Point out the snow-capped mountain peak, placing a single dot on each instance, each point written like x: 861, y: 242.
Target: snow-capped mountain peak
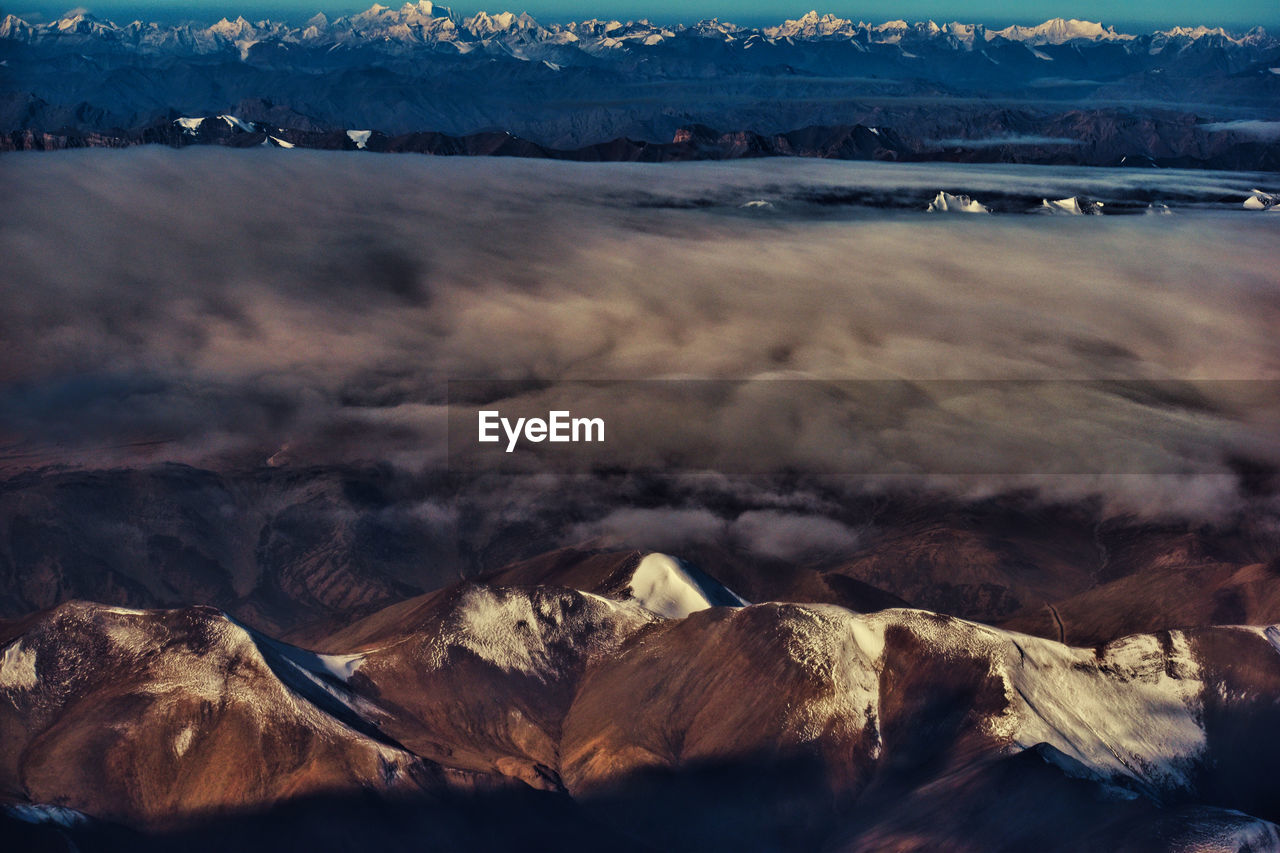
x: 414, y: 25
x: 1060, y: 31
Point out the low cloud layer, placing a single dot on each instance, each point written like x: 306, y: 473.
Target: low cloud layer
x: 226, y: 307
x: 1003, y: 141
x: 1266, y: 131
x: 767, y: 533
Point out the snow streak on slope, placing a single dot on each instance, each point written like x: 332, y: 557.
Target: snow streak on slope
x: 17, y: 667
x: 1271, y: 634
x: 322, y: 679
x: 235, y: 122
x: 671, y: 588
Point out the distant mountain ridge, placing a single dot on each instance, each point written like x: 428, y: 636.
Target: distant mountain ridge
x: 423, y: 68
x: 424, y: 24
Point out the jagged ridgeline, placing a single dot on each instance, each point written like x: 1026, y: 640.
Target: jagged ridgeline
x: 422, y: 78
x: 562, y: 703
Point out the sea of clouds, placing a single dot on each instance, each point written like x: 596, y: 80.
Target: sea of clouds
x: 222, y: 308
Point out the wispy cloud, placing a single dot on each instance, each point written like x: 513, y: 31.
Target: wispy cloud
x: 1268, y: 131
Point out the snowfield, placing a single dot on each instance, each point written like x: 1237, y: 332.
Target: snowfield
x: 673, y: 589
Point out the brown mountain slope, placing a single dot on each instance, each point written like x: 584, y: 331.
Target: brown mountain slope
x: 773, y: 726
x: 480, y: 677
x: 1161, y: 597
x: 154, y: 718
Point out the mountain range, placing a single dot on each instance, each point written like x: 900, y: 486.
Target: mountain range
x: 417, y: 25
x: 252, y: 596
x: 957, y: 91
x: 619, y: 698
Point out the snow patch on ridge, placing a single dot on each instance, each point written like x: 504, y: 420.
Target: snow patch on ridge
x: 182, y: 742
x: 18, y: 668
x: 845, y: 650
x: 536, y: 632
x: 1082, y: 702
x: 671, y: 588
x: 234, y: 122
x: 341, y: 667
x: 1085, y: 705
x: 1272, y: 633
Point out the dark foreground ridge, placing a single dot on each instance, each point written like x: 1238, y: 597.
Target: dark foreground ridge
x: 1098, y: 137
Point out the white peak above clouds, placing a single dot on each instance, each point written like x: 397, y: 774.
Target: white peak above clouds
x: 413, y: 25
x: 672, y: 588
x: 1060, y: 31
x: 810, y: 25
x: 945, y: 202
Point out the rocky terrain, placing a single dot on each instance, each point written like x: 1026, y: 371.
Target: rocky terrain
x: 771, y: 726
x: 295, y: 553
x: 1100, y: 137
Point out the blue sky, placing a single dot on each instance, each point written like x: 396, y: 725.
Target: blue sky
x: 1135, y: 14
